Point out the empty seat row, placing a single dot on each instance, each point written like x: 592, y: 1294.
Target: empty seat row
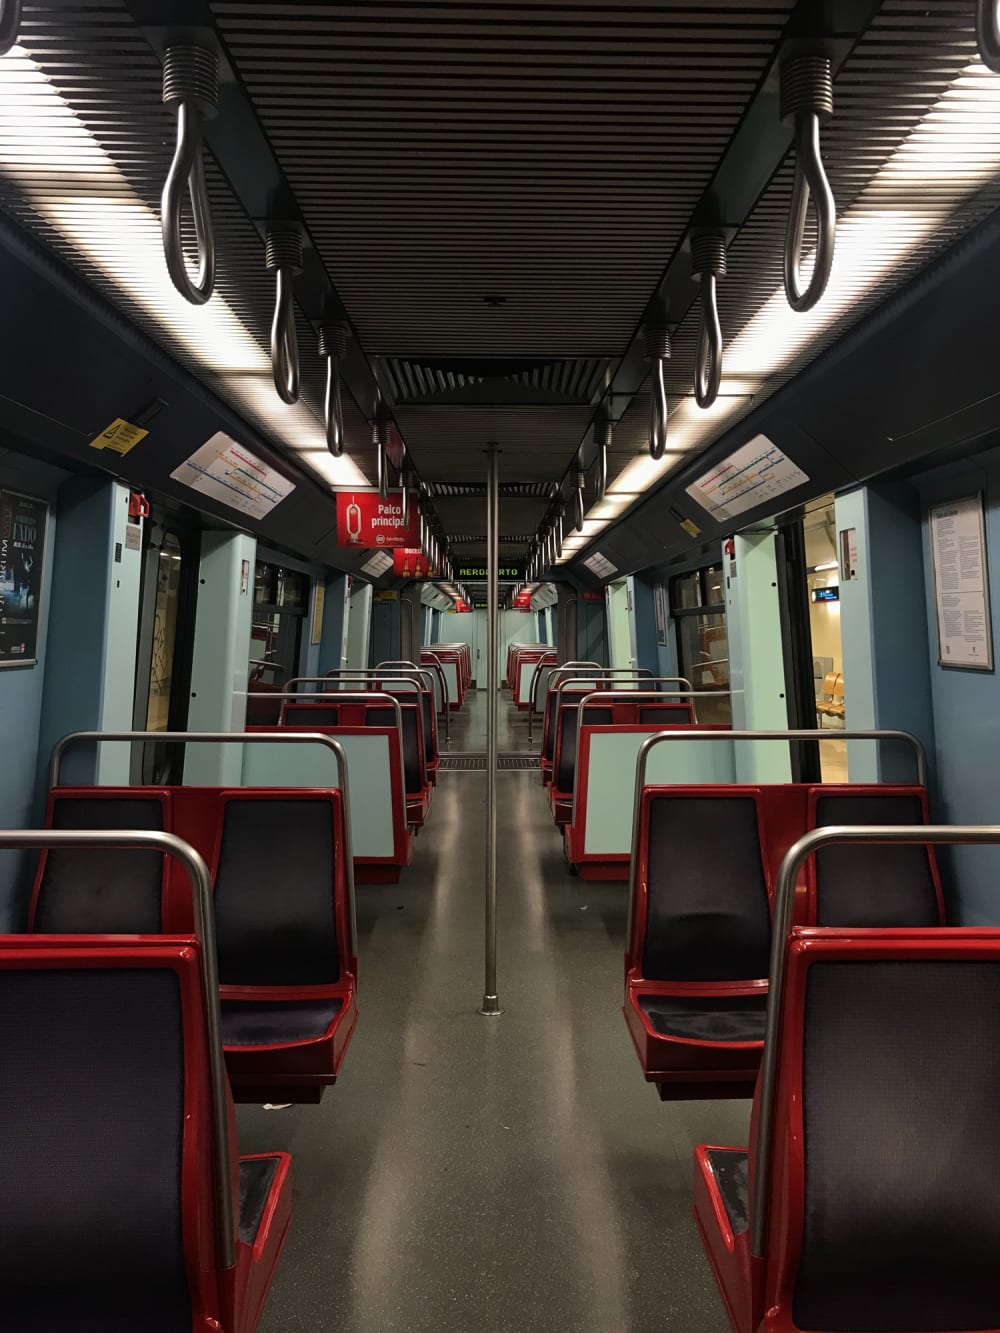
x: 706, y: 862
x: 282, y: 903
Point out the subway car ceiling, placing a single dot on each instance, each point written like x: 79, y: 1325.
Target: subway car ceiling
x: 503, y: 211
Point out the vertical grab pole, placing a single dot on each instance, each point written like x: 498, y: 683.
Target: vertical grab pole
x: 491, y: 1000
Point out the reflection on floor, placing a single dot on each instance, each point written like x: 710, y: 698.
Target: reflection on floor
x: 507, y: 1175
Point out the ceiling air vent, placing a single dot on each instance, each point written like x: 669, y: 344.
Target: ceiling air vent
x: 488, y: 380
x: 509, y: 490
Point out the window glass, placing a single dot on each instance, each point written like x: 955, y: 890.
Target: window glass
x: 685, y: 591
x: 703, y: 653
x: 161, y: 666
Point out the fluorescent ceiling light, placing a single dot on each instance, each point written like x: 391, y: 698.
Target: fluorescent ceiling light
x: 97, y: 212
x: 957, y: 145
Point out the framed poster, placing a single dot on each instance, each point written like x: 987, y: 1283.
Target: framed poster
x: 660, y: 612
x: 961, y: 584
x: 23, y: 521
x: 319, y: 601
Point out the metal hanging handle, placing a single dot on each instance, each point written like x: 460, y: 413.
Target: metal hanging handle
x: 283, y: 257
x: 191, y: 84
x: 579, y: 484
x: 380, y: 439
x: 708, y: 262
x: 658, y: 352
x: 10, y: 24
x: 333, y: 347
x: 806, y: 103
x: 605, y: 439
x: 987, y: 33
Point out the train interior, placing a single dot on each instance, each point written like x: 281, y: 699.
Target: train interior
x: 498, y: 709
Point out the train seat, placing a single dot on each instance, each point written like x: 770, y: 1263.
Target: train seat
x: 311, y: 715
x: 869, y: 1227
x: 564, y: 755
x: 109, y: 1220
x: 107, y: 890
x: 286, y: 974
x: 696, y: 970
x: 874, y: 885
x: 418, y: 788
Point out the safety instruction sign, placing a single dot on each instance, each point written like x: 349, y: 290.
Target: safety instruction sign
x: 754, y: 474
x: 364, y: 519
x: 961, y: 587
x: 233, y: 475
x: 121, y: 436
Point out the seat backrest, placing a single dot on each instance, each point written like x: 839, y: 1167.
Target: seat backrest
x: 877, y: 884
x: 426, y: 700
x: 107, y: 890
x: 104, y: 1119
x: 830, y: 683
x: 275, y: 903
x: 593, y: 716
x: 707, y: 910
x: 311, y: 715
x: 413, y: 766
x: 675, y: 714
x: 887, y: 1136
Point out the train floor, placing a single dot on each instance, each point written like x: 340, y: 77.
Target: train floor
x: 492, y: 1175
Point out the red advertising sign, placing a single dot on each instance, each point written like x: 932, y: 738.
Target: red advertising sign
x: 364, y: 519
x: 461, y: 606
x: 409, y: 562
x: 523, y: 601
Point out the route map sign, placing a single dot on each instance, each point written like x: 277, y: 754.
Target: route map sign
x: 751, y: 476
x: 233, y: 475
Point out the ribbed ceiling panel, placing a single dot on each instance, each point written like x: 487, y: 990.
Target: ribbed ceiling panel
x: 498, y: 180
x: 449, y: 443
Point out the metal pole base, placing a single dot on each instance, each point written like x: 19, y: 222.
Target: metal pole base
x: 490, y: 1007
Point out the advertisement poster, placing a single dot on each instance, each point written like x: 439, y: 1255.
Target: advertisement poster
x: 364, y: 519
x: 22, y: 550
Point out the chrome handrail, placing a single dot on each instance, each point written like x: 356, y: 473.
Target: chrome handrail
x: 191, y: 84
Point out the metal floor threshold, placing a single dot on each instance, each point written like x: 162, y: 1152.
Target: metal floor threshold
x: 476, y: 763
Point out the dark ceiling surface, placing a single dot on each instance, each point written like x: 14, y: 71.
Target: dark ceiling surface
x: 496, y: 193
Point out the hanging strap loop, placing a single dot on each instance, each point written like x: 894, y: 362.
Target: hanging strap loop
x: 333, y: 348
x: 806, y: 103
x: 283, y: 257
x: 380, y: 439
x: 987, y: 33
x: 658, y: 352
x: 708, y: 262
x: 10, y: 24
x: 191, y: 84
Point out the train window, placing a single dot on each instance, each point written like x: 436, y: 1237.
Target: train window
x: 697, y: 605
x: 280, y: 601
x: 822, y: 581
x: 165, y: 628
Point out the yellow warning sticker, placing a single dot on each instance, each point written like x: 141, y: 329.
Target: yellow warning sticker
x: 691, y: 528
x: 121, y: 436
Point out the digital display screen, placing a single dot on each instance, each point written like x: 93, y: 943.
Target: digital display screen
x: 826, y: 594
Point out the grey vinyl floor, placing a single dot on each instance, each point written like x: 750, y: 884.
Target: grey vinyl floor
x: 512, y: 1174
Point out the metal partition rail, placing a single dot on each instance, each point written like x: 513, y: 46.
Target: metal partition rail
x: 445, y: 697
x: 419, y: 679
x: 204, y: 918
x: 681, y: 734
x: 613, y: 681
x: 545, y: 660
x: 626, y: 696
x: 914, y: 835
x: 242, y: 738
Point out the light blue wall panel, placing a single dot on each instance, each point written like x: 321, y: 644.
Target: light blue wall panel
x: 757, y: 671
x: 221, y: 654
x: 304, y: 765
x: 611, y: 780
